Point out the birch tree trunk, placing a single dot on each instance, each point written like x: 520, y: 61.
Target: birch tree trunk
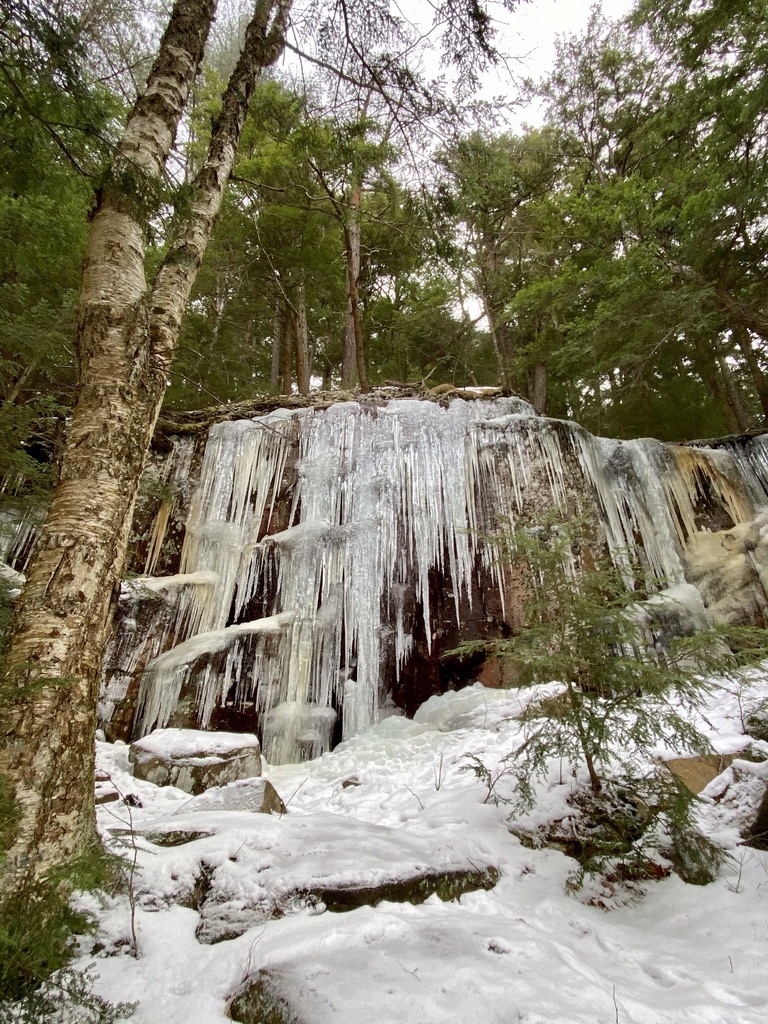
x: 127, y: 334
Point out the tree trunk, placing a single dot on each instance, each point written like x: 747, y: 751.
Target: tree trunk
x: 286, y: 348
x: 537, y: 387
x: 277, y: 345
x: 733, y: 395
x: 715, y: 373
x: 127, y: 334
x: 300, y: 339
x: 744, y: 341
x: 15, y: 389
x: 353, y: 355
x: 501, y: 364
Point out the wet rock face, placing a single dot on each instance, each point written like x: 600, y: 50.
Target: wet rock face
x: 730, y: 570
x: 193, y: 760
x: 332, y: 559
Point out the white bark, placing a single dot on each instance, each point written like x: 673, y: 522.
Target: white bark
x: 127, y: 335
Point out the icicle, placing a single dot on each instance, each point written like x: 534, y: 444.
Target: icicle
x: 380, y: 497
x: 174, y: 475
x: 165, y: 676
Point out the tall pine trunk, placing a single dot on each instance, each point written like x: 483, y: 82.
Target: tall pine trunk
x: 353, y: 355
x: 300, y: 339
x: 127, y: 333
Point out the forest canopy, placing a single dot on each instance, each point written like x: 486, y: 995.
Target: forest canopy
x: 609, y: 264
x: 381, y: 225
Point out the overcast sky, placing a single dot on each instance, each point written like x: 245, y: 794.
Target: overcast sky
x: 529, y: 38
x: 531, y: 30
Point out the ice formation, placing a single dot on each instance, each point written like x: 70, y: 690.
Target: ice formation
x: 311, y: 530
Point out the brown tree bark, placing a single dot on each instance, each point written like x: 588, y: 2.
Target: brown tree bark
x: 715, y: 373
x: 744, y: 341
x: 504, y: 378
x: 286, y: 349
x: 300, y: 345
x: 353, y: 355
x: 537, y: 387
x: 127, y: 334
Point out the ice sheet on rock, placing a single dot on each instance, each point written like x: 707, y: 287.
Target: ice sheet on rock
x: 12, y: 578
x: 240, y: 480
x: 162, y: 681
x: 158, y: 613
x: 382, y: 496
x: 297, y: 728
x: 174, y: 478
x: 18, y: 533
x: 628, y: 478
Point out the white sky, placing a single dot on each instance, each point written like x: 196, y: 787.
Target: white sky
x: 531, y: 30
x: 529, y: 39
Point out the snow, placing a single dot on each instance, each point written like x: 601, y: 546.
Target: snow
x: 394, y: 799
x: 194, y: 744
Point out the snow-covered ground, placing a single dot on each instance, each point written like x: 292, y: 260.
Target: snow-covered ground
x: 524, y: 950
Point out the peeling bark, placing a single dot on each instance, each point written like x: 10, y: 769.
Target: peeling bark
x: 127, y: 334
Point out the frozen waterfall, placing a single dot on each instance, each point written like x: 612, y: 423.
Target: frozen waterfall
x: 313, y: 534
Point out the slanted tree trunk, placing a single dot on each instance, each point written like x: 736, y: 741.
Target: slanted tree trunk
x: 127, y: 334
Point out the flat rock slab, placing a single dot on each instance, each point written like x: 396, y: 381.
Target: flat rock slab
x: 257, y: 796
x: 262, y: 866
x: 697, y: 772
x: 194, y: 760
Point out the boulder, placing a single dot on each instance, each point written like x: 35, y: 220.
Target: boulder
x: 193, y: 760
x: 258, y: 796
x: 261, y: 1001
x: 757, y: 833
x: 698, y: 771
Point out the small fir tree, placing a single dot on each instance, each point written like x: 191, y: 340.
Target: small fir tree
x: 623, y: 696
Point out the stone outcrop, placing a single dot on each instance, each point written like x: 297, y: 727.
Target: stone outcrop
x: 255, y: 795
x: 221, y: 920
x: 698, y: 771
x: 261, y: 1000
x: 195, y: 760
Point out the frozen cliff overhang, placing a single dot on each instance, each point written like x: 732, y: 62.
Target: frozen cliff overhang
x: 329, y: 556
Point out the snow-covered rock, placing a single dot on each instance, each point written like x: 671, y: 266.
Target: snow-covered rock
x: 193, y: 760
x: 258, y: 796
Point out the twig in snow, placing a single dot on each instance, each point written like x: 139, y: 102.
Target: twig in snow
x: 414, y: 972
x: 421, y: 805
x: 293, y: 794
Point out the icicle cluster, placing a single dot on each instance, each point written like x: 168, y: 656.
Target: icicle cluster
x: 292, y: 616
